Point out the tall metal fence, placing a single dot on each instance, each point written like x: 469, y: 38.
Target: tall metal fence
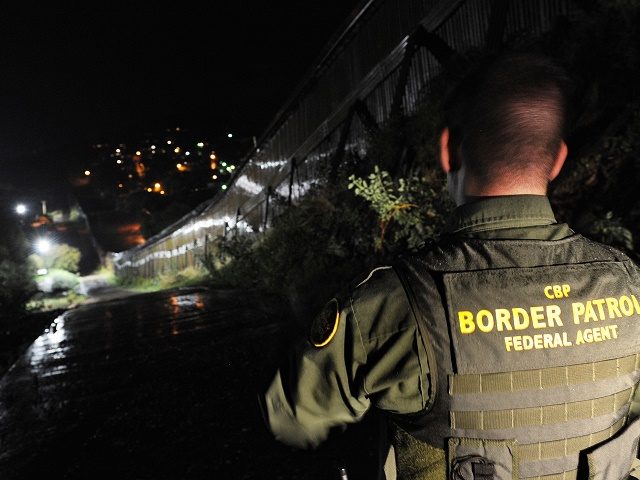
x: 380, y: 64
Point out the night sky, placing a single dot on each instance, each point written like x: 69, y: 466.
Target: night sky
x: 85, y: 72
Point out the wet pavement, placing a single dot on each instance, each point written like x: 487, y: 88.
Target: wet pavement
x: 159, y: 386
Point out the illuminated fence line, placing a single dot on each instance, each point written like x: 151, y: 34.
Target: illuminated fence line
x: 379, y: 65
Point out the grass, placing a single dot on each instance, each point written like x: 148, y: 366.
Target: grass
x: 187, y: 277
x: 43, y: 302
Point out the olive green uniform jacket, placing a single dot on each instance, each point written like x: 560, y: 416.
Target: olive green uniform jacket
x: 375, y: 355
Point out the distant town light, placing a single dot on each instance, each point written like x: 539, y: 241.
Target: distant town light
x: 215, y: 177
x: 168, y: 142
x: 120, y: 185
x: 187, y: 153
x: 212, y: 156
x: 200, y: 144
x: 117, y: 150
x: 224, y: 187
x: 153, y: 147
x: 138, y: 152
x: 43, y: 245
x: 21, y: 209
x: 157, y: 187
x: 130, y: 175
x: 118, y: 161
x: 176, y: 150
x: 224, y: 164
x: 149, y: 189
x: 87, y: 172
x: 161, y: 192
x: 230, y: 135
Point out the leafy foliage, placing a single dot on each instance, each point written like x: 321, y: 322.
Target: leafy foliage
x: 66, y: 258
x: 16, y: 284
x: 62, y: 257
x: 58, y: 280
x: 409, y: 211
x: 310, y: 252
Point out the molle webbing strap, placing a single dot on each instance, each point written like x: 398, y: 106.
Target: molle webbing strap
x: 570, y: 475
x: 543, y: 378
x: 563, y: 418
x: 547, y: 415
x: 545, y: 457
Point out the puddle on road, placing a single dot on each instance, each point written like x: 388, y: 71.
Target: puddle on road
x: 49, y: 345
x: 182, y: 303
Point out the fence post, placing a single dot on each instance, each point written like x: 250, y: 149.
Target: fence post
x: 266, y: 210
x: 294, y: 167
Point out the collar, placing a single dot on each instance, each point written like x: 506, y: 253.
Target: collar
x: 504, y: 212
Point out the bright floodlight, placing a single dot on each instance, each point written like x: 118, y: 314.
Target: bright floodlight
x: 230, y: 135
x: 21, y: 209
x: 43, y: 245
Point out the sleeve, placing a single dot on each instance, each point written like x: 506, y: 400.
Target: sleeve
x: 372, y: 358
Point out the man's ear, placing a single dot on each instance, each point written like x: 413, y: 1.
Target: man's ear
x: 445, y: 158
x: 559, y: 161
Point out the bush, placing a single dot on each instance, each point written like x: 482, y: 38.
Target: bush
x: 57, y: 280
x: 66, y: 258
x: 310, y: 252
x: 62, y: 257
x: 409, y: 211
x: 16, y: 284
x: 182, y: 278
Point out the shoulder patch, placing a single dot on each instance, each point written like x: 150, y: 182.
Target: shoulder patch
x: 325, y: 325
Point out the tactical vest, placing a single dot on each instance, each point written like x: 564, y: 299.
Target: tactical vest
x: 537, y: 349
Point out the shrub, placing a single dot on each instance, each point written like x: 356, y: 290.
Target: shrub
x: 62, y: 257
x: 312, y: 250
x: 57, y: 280
x: 181, y: 278
x: 16, y: 284
x: 66, y: 257
x: 409, y: 210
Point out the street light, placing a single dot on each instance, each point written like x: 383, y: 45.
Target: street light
x: 43, y: 245
x: 21, y: 209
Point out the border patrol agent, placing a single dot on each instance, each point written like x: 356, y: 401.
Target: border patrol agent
x: 510, y: 347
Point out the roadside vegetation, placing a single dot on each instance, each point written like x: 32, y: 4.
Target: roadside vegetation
x: 186, y: 277
x: 57, y: 279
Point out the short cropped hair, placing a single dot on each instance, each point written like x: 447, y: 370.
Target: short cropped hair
x: 508, y: 117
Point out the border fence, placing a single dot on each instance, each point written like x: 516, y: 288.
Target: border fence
x: 380, y: 64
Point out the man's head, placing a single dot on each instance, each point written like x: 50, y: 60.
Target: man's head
x: 505, y: 125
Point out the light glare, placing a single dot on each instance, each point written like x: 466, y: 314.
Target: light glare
x: 43, y: 245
